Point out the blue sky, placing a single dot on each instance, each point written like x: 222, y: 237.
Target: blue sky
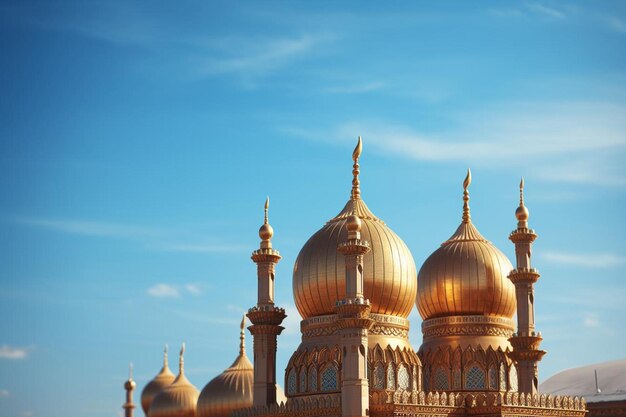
x: 139, y: 140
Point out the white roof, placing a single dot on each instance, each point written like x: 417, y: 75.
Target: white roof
x: 582, y: 382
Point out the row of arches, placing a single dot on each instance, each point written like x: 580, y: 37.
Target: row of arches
x: 309, y: 380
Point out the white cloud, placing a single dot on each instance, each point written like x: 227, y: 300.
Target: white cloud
x: 193, y: 289
x: 542, y: 9
x: 203, y: 248
x: 585, y: 260
x: 92, y: 228
x: 616, y: 24
x: 571, y: 142
x: 355, y: 88
x: 591, y: 320
x: 4, y: 393
x: 254, y: 56
x: 164, y: 291
x: 13, y: 353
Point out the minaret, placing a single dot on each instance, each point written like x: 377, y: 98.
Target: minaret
x: 129, y: 386
x: 265, y: 318
x: 353, y: 311
x: 526, y: 341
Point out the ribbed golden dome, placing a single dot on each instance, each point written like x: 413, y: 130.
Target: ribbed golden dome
x: 467, y: 275
x: 232, y: 389
x: 389, y: 269
x: 176, y: 400
x: 164, y: 378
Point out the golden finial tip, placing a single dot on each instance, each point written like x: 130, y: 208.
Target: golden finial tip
x: 243, y: 322
x: 468, y: 179
x: 357, y: 151
x: 182, y: 350
x: 267, y: 202
x: 521, y: 184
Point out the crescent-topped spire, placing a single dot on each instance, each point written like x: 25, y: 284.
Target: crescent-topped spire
x: 181, y: 360
x: 267, y: 207
x: 242, y: 336
x: 356, y: 190
x: 165, y: 358
x: 521, y: 192
x: 522, y: 213
x: 466, y: 209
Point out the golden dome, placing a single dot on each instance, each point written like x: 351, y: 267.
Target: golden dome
x: 164, y: 378
x: 467, y: 275
x: 388, y: 270
x: 232, y: 389
x: 178, y: 399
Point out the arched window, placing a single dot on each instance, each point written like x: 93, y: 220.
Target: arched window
x: 329, y: 378
x: 291, y: 382
x: 379, y: 376
x: 503, y: 377
x: 302, y: 380
x: 441, y: 379
x: 493, y: 378
x: 391, y: 377
x: 313, y: 379
x: 474, y: 378
x: 513, y: 378
x: 404, y: 379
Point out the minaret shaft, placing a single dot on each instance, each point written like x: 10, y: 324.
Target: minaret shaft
x: 526, y: 341
x: 354, y: 323
x: 265, y: 318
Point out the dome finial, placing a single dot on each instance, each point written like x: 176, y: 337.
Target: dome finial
x: 165, y: 359
x: 181, y: 360
x: 242, y: 336
x: 522, y: 212
x: 266, y: 231
x: 356, y: 190
x: 466, y: 208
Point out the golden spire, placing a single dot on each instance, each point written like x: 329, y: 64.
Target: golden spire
x: 356, y: 191
x: 466, y: 208
x: 522, y: 212
x: 181, y: 360
x: 242, y: 336
x: 165, y: 359
x: 266, y: 231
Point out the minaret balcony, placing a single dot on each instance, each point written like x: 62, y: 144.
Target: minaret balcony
x: 523, y: 235
x: 524, y: 275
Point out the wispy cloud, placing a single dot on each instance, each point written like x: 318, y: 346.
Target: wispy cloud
x: 203, y: 248
x: 162, y: 290
x: 565, y: 142
x: 14, y: 353
x: 544, y: 10
x: 355, y: 88
x: 4, y: 393
x: 616, y: 24
x: 254, y: 57
x: 92, y: 228
x: 155, y: 238
x: 591, y: 320
x: 585, y: 260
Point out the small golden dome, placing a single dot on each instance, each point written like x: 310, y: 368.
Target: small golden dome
x: 130, y: 385
x: 164, y: 378
x: 388, y: 270
x: 178, y: 399
x: 467, y: 275
x: 353, y: 223
x: 266, y: 232
x: 232, y: 389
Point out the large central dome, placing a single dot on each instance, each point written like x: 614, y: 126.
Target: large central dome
x: 389, y: 273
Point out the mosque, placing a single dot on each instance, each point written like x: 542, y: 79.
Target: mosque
x: 354, y: 284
